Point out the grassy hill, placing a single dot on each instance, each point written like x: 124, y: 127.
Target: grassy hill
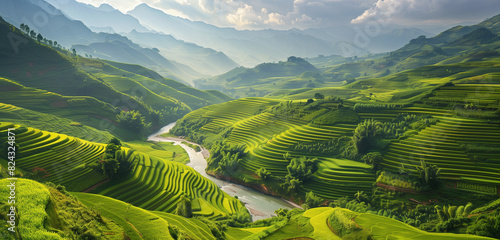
x: 49, y: 80
x: 44, y: 212
x: 56, y: 214
x: 154, y: 183
x: 242, y: 81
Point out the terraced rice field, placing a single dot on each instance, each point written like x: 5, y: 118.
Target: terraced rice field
x: 388, y: 228
x: 62, y: 156
x: 268, y: 139
x: 440, y: 145
x: 482, y: 95
x: 157, y: 185
x: 388, y: 115
x: 225, y: 114
x: 270, y: 154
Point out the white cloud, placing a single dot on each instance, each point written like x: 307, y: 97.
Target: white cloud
x: 285, y: 14
x: 422, y: 12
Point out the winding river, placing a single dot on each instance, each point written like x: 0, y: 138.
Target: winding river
x: 260, y: 205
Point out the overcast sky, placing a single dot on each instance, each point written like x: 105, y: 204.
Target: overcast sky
x: 285, y: 14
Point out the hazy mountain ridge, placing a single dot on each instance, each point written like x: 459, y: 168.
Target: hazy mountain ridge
x: 246, y: 47
x: 107, y: 19
x: 71, y: 32
x: 103, y: 16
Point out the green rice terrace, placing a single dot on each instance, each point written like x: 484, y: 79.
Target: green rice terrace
x: 398, y: 145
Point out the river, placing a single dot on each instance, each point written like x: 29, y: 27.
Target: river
x: 259, y: 205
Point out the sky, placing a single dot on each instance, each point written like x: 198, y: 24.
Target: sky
x: 286, y: 14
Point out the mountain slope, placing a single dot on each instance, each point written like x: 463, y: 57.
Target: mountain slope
x: 204, y: 60
x: 42, y: 78
x: 294, y: 73
x: 100, y: 17
x: 57, y: 27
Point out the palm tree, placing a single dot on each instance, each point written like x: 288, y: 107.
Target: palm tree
x: 363, y: 134
x: 428, y: 174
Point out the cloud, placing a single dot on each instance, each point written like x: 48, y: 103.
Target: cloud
x: 422, y: 12
x: 259, y: 14
x: 285, y: 14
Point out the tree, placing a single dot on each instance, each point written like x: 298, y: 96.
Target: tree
x: 301, y: 168
x: 319, y: 96
x: 428, y: 174
x: 56, y: 44
x: 312, y: 200
x: 115, y: 141
x: 310, y: 100
x: 32, y: 34
x: 364, y: 134
x: 263, y: 173
x: 74, y: 52
x: 133, y: 120
x: 110, y: 167
x: 39, y: 37
x: 373, y: 159
x: 184, y: 207
x: 362, y: 197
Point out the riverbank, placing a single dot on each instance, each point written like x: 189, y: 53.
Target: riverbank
x: 260, y: 205
x: 260, y: 188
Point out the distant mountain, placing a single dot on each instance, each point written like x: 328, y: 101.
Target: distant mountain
x: 71, y: 32
x: 109, y: 20
x: 204, y: 60
x: 247, y: 48
x: 293, y: 73
x: 51, y: 22
x: 123, y: 51
x: 390, y: 41
x: 104, y: 16
x: 50, y: 80
x: 390, y: 38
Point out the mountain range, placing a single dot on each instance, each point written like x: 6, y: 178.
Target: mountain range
x: 176, y: 47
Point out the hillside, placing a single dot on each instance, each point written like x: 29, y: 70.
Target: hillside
x: 68, y: 33
x: 49, y: 212
x: 153, y: 183
x: 264, y: 78
x: 430, y: 133
x: 90, y: 91
x: 454, y: 47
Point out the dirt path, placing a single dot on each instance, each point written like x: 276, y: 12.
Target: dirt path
x: 95, y: 186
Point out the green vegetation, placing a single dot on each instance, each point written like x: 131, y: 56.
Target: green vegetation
x: 44, y: 212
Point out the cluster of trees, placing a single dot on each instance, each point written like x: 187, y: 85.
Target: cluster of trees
x: 299, y: 170
x: 133, y: 121
x: 115, y: 162
x: 224, y: 159
x: 488, y: 226
x: 312, y: 201
x: 372, y: 135
x: 38, y: 37
x: 188, y: 127
x: 451, y: 217
x: 184, y: 207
